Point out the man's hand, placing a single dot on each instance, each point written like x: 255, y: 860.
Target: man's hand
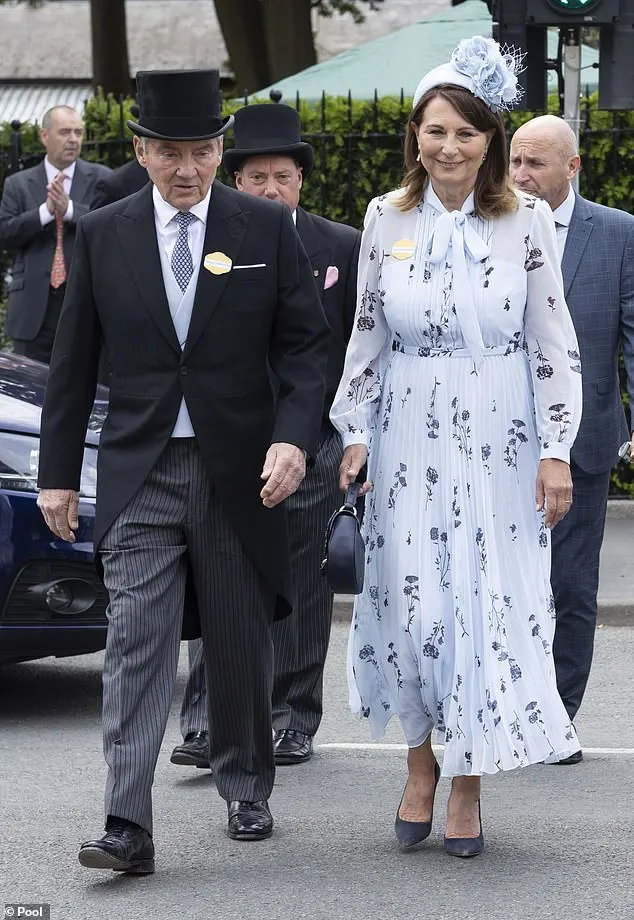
x: 60, y: 509
x: 284, y: 469
x: 57, y: 196
x: 354, y: 458
x: 50, y: 202
x: 554, y: 489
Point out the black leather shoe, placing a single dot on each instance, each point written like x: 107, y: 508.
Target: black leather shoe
x: 464, y: 847
x: 577, y: 757
x: 125, y: 847
x: 291, y: 747
x: 409, y: 833
x: 193, y: 752
x: 249, y: 820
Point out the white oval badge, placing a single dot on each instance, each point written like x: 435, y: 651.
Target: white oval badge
x: 403, y: 249
x: 217, y: 263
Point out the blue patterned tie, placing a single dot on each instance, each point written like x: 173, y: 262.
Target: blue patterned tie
x: 182, y: 264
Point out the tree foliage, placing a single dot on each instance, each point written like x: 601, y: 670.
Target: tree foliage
x: 268, y: 40
x: 353, y: 7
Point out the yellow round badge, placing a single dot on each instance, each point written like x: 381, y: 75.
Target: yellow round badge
x: 217, y: 263
x: 403, y: 249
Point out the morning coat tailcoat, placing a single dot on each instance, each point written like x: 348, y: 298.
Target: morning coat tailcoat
x: 327, y: 244
x: 265, y: 314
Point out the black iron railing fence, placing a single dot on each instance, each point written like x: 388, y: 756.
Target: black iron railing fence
x: 358, y: 151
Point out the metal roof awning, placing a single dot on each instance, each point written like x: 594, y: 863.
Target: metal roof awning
x: 396, y: 62
x: 28, y: 101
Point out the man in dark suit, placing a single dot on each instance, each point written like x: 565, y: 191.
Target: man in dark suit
x: 270, y: 160
x: 38, y: 217
x: 597, y: 250
x: 198, y: 292
x: 123, y: 181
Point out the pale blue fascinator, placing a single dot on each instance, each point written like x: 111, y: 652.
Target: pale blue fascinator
x: 482, y: 66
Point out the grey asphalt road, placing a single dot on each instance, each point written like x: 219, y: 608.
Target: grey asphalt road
x: 559, y: 842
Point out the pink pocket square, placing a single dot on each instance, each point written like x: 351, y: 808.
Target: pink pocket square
x: 332, y: 276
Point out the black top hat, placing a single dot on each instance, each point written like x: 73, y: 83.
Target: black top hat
x: 179, y: 105
x: 268, y: 128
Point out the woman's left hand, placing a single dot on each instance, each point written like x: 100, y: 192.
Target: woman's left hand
x: 553, y: 489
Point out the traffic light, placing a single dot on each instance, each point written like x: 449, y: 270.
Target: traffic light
x: 572, y: 12
x: 524, y: 25
x: 616, y: 62
x: 510, y: 28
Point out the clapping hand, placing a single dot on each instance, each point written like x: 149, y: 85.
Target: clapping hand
x: 57, y: 199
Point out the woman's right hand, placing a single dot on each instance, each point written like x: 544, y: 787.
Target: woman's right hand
x: 354, y: 458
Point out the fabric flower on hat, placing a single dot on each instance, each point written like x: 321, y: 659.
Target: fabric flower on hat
x: 492, y: 69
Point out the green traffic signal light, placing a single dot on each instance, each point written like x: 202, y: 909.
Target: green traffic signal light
x: 573, y: 6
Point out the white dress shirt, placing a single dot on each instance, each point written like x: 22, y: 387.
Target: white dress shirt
x: 181, y: 303
x: 51, y: 172
x: 563, y: 216
x: 167, y: 228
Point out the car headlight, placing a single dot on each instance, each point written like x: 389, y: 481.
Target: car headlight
x: 19, y: 461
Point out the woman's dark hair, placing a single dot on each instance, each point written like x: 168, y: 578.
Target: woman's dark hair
x: 494, y: 195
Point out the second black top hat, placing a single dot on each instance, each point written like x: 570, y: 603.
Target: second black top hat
x: 268, y: 129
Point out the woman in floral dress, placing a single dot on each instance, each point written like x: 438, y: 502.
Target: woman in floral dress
x: 462, y: 388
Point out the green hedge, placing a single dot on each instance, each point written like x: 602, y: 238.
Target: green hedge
x: 358, y: 154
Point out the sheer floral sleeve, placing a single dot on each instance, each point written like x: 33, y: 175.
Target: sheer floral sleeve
x: 357, y: 400
x: 551, y: 340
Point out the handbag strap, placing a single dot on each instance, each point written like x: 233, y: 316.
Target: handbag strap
x: 352, y: 494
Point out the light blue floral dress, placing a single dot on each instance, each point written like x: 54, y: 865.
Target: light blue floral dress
x: 461, y: 373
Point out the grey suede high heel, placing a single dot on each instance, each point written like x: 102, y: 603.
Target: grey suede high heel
x: 409, y: 833
x: 464, y: 847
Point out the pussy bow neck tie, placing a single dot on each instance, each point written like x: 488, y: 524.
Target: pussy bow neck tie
x: 453, y: 231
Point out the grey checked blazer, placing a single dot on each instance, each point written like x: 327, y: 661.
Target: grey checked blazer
x: 598, y: 270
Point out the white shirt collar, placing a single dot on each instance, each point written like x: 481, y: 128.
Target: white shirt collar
x: 430, y: 197
x: 52, y: 171
x: 165, y: 212
x: 563, y: 214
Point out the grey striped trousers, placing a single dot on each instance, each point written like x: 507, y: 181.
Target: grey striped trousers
x: 301, y: 640
x: 174, y: 520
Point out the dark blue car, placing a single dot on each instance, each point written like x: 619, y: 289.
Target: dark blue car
x: 52, y: 601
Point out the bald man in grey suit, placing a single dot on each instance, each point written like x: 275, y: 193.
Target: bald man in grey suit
x: 38, y: 218
x: 597, y: 249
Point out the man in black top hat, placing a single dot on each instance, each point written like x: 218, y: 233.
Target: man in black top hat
x: 271, y: 161
x: 197, y: 293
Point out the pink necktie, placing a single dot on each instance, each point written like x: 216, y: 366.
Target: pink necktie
x: 58, y: 268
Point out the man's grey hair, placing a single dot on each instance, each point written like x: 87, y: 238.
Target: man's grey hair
x: 47, y: 118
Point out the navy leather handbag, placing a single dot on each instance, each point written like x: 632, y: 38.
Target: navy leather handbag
x: 344, y: 550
